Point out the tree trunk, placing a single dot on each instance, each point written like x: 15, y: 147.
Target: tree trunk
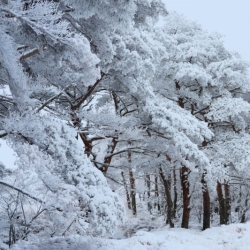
x: 126, y: 190
x: 221, y: 204
x: 132, y: 183
x: 227, y: 203
x: 175, y: 194
x: 132, y: 191
x: 186, y: 198
x: 108, y: 157
x: 243, y: 217
x: 169, y: 199
x: 206, y: 203
x: 157, y: 204
x: 148, y: 192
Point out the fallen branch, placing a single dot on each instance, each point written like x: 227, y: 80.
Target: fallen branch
x: 29, y: 54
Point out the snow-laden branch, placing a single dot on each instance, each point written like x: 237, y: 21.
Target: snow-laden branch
x: 21, y: 191
x: 36, y: 25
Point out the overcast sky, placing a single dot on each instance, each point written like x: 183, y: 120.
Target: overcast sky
x: 227, y: 17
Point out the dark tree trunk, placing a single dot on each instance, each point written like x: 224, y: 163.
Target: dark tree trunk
x: 108, y: 157
x: 132, y: 183
x: 126, y: 190
x: 227, y: 203
x: 175, y: 194
x: 132, y: 191
x: 186, y: 198
x: 148, y: 192
x: 221, y: 204
x: 206, y: 203
x: 157, y: 194
x: 168, y: 198
x: 243, y: 217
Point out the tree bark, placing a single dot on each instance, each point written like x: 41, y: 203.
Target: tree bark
x: 227, y: 203
x: 157, y: 204
x: 175, y: 194
x: 108, y: 157
x: 126, y: 190
x: 168, y: 198
x: 186, y: 198
x: 206, y: 203
x: 132, y: 191
x: 221, y: 203
x: 148, y: 192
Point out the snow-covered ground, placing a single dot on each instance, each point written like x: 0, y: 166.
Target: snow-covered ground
x: 232, y: 237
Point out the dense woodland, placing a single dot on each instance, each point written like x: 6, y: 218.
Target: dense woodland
x: 116, y: 108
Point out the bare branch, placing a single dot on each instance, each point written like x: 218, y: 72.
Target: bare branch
x: 197, y: 112
x: 3, y: 133
x: 90, y: 91
x: 53, y: 98
x: 29, y: 54
x: 1, y: 79
x: 68, y: 227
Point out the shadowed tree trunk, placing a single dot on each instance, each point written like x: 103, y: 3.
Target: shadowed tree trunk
x: 132, y: 192
x: 206, y: 203
x: 157, y: 204
x: 148, y: 192
x: 221, y: 203
x: 169, y: 199
x: 227, y: 203
x: 175, y: 194
x: 132, y: 184
x: 126, y: 190
x: 186, y: 198
x: 108, y: 157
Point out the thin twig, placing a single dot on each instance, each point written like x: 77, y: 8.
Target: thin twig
x: 21, y: 191
x: 53, y: 98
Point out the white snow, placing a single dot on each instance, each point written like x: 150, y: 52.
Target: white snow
x: 232, y: 237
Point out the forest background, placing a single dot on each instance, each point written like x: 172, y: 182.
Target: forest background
x: 101, y: 103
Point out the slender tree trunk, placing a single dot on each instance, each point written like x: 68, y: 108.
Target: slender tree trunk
x: 108, y: 157
x: 157, y: 204
x: 186, y: 198
x: 148, y: 192
x: 132, y: 192
x: 206, y: 203
x: 227, y: 203
x: 126, y: 190
x: 243, y: 217
x: 132, y: 183
x: 221, y: 203
x: 175, y: 194
x: 168, y: 198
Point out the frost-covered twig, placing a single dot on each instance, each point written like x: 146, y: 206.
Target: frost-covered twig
x: 68, y: 227
x: 21, y: 191
x: 36, y: 25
